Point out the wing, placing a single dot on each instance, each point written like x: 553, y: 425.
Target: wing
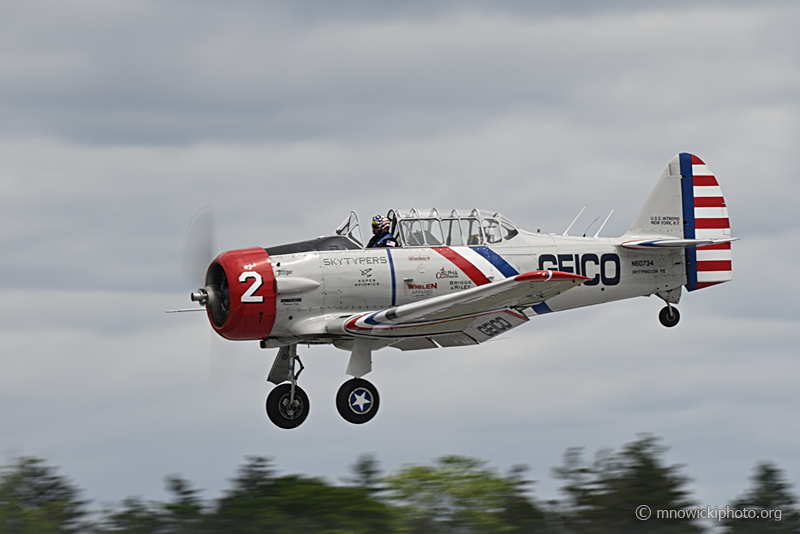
x: 464, y: 318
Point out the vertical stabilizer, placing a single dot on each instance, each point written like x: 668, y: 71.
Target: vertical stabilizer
x: 687, y: 203
x: 661, y: 215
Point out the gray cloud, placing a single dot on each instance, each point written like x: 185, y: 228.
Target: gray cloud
x: 127, y: 75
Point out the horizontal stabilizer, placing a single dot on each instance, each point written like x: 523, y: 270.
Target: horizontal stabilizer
x: 672, y: 244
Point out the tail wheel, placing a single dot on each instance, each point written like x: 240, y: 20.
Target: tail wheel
x: 284, y: 411
x: 669, y: 316
x: 357, y: 401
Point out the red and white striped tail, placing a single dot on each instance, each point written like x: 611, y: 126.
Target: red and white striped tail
x: 705, y: 217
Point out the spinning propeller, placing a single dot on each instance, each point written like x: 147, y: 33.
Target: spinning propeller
x: 199, y: 251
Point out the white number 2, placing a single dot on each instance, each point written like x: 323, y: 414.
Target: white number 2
x: 248, y: 295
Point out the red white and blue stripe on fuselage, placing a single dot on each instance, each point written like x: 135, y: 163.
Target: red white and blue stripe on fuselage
x: 470, y: 259
x: 478, y: 263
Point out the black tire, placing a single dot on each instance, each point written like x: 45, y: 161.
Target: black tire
x: 669, y: 316
x: 281, y: 412
x: 357, y: 401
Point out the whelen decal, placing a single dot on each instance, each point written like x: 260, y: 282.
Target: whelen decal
x: 495, y: 259
x: 472, y: 272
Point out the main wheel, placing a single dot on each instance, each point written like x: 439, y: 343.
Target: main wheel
x: 357, y: 401
x: 669, y: 316
x: 282, y: 411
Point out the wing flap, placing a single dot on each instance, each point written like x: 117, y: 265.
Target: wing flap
x: 457, y: 339
x: 415, y: 343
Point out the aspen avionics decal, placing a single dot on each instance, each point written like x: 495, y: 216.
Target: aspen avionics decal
x: 367, y: 279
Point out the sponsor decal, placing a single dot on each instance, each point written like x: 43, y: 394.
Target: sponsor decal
x: 366, y: 279
x: 496, y: 326
x: 283, y: 272
x: 419, y: 258
x: 291, y: 300
x: 420, y: 290
x: 459, y: 285
x: 444, y: 273
x: 605, y: 269
x: 360, y: 260
x: 422, y: 286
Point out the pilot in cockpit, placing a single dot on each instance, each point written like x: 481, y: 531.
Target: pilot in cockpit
x: 381, y: 237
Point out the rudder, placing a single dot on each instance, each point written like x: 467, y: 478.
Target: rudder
x: 705, y: 216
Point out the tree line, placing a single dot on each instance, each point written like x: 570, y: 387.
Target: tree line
x: 454, y: 494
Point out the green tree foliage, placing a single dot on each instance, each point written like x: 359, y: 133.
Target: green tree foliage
x: 769, y: 493
x: 457, y: 494
x: 34, y: 499
x: 519, y: 510
x: 135, y: 517
x: 454, y: 494
x: 261, y: 502
x: 366, y: 475
x: 182, y: 514
x: 603, y: 497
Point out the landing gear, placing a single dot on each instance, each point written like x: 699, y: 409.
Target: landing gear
x: 669, y: 316
x: 287, y: 404
x: 287, y: 408
x: 357, y: 401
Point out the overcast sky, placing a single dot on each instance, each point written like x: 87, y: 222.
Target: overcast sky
x: 121, y: 119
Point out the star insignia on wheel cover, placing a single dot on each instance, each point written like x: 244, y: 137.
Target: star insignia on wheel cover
x: 360, y: 400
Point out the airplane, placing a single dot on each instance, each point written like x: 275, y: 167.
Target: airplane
x: 456, y: 278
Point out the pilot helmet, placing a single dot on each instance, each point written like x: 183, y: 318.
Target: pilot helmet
x: 377, y: 222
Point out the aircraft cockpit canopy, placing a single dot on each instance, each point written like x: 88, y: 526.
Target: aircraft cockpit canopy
x: 415, y: 228
x: 430, y: 228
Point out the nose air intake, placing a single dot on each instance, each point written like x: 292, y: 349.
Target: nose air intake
x: 216, y: 295
x: 240, y: 294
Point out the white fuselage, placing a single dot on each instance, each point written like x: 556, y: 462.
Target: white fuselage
x: 354, y: 281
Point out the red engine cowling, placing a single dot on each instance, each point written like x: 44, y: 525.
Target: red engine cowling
x: 243, y: 286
